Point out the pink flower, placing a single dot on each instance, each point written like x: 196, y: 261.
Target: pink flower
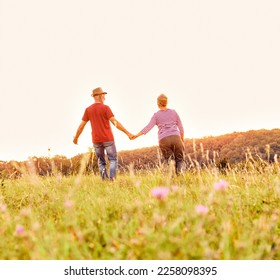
x: 3, y: 207
x: 160, y: 192
x: 201, y: 209
x: 19, y: 230
x: 25, y: 212
x: 221, y: 185
x: 137, y: 184
x: 175, y: 188
x: 68, y: 204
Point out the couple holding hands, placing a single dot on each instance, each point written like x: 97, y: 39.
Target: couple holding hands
x: 170, y: 133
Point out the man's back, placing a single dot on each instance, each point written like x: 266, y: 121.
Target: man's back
x: 99, y: 115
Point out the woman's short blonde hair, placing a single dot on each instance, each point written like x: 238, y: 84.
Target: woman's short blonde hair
x: 162, y: 100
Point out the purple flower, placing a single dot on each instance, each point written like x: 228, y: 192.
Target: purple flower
x: 160, y: 192
x: 221, y: 185
x: 19, y: 230
x: 201, y: 209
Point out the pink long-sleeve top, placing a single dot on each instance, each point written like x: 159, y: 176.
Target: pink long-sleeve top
x: 168, y: 122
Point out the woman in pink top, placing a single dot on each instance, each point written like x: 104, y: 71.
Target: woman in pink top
x: 170, y: 133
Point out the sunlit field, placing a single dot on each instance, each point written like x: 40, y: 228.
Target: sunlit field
x: 202, y: 214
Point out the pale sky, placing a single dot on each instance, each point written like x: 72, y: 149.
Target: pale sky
x: 218, y: 62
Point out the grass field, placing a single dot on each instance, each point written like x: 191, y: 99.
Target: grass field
x: 202, y: 214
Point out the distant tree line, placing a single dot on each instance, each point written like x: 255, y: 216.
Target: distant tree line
x: 233, y: 148
x: 48, y: 166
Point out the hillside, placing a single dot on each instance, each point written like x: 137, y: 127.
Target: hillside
x: 229, y: 148
x: 234, y: 147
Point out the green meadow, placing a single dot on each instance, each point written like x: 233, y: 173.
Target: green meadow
x: 201, y: 214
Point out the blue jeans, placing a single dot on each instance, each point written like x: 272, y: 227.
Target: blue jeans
x: 111, y: 152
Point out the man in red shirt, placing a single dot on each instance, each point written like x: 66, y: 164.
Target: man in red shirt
x: 100, y: 116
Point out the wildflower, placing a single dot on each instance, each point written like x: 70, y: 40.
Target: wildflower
x: 19, y: 230
x: 68, y: 204
x: 3, y: 207
x: 26, y: 211
x: 134, y: 241
x: 202, y: 209
x: 36, y: 226
x: 221, y: 185
x: 160, y: 192
x: 175, y: 188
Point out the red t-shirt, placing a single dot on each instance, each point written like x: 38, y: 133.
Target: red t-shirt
x: 99, y: 116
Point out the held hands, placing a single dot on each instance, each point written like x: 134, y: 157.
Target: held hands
x: 132, y: 136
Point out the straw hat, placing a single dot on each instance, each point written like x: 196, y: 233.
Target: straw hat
x: 98, y: 91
